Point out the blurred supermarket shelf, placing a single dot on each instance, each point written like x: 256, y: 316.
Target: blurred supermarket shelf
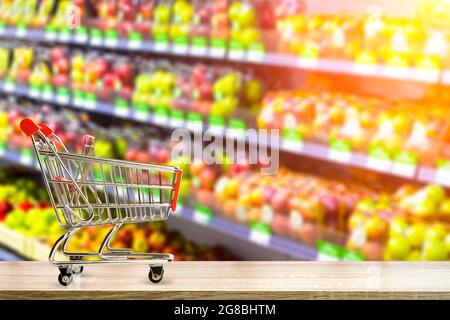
x: 303, y: 148
x: 255, y: 57
x: 6, y: 255
x: 26, y: 247
x: 29, y: 249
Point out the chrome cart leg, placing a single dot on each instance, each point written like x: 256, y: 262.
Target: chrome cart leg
x: 105, y: 251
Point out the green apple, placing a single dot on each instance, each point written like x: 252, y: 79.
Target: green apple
x: 416, y: 234
x: 398, y: 227
x: 435, y: 193
x: 435, y: 250
x: 436, y: 232
x: 398, y: 248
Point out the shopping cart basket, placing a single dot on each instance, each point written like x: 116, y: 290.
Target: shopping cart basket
x: 87, y: 191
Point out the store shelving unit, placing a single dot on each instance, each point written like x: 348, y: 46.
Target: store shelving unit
x: 303, y: 148
x: 22, y: 245
x: 255, y: 57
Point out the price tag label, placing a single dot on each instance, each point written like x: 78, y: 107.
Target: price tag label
x: 78, y: 99
x: 9, y: 86
x: 134, y: 40
x: 236, y: 51
x: 161, y: 43
x: 260, y: 233
x: 256, y: 52
x: 50, y: 34
x: 62, y: 96
x: 217, y: 49
x: 194, y: 121
x: 199, y: 46
x: 442, y: 175
x: 396, y: 72
x: 160, y: 116
x: 81, y: 35
x: 431, y: 76
x: 90, y: 101
x: 405, y: 164
x: 235, y: 128
x: 26, y: 157
x: 328, y: 251
x: 141, y: 112
x: 180, y: 45
x: 47, y: 93
x: 64, y: 35
x: 176, y: 119
x: 34, y: 92
x: 96, y: 37
x: 2, y: 28
x: 111, y: 39
x: 121, y: 108
x: 365, y: 69
x: 21, y: 31
x: 379, y: 159
x: 202, y: 214
x: 292, y: 141
x: 340, y: 150
x: 2, y: 147
x: 308, y: 63
x: 216, y: 125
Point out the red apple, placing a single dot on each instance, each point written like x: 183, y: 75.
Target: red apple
x: 280, y: 200
x: 308, y: 233
x: 280, y: 224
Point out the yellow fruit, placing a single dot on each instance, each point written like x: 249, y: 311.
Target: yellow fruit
x: 416, y: 234
x: 398, y: 248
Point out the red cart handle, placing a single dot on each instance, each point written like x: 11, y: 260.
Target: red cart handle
x: 45, y: 129
x: 29, y: 127
x: 176, y: 189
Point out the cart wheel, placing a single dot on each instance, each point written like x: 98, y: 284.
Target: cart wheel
x: 77, y: 269
x: 156, y: 274
x: 65, y: 278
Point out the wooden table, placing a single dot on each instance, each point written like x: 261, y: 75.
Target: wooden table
x: 234, y: 280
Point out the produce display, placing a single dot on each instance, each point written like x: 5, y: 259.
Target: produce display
x: 204, y: 89
x: 367, y: 124
x: 282, y: 26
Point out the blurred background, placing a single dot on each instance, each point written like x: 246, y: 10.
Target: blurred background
x: 358, y: 89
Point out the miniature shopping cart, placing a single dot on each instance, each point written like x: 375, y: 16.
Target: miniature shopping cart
x: 87, y: 191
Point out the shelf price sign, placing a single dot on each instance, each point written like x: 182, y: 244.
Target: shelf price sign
x: 379, y: 159
x: 50, y: 33
x: 2, y: 147
x: 160, y: 116
x: 442, y: 175
x: 202, y: 214
x: 34, y: 91
x: 216, y: 124
x: 111, y: 38
x: 236, y: 128
x: 176, y: 119
x: 81, y: 35
x: 161, y: 43
x: 62, y: 95
x: 217, y: 48
x: 21, y: 30
x: 260, y: 233
x: 78, y: 98
x: 90, y: 101
x: 340, y: 150
x: 236, y: 51
x: 199, y: 46
x: 121, y: 108
x: 141, y: 111
x: 96, y: 37
x: 47, y: 92
x: 328, y: 251
x: 292, y: 140
x: 194, y: 121
x: 180, y: 45
x: 2, y: 27
x: 256, y: 52
x: 9, y: 85
x: 65, y: 34
x: 134, y: 40
x: 405, y: 164
x: 26, y: 157
x: 348, y: 255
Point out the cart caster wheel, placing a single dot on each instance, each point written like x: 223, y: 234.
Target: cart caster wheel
x: 156, y: 274
x: 65, y: 279
x: 77, y: 269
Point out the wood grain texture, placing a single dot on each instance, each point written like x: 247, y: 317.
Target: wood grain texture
x: 233, y: 280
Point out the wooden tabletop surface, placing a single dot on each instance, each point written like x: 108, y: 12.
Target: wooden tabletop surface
x: 233, y: 280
